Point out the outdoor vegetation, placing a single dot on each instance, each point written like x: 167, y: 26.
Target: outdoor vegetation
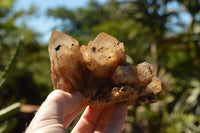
x: 165, y: 33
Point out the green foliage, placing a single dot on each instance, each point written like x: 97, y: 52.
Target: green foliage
x: 147, y: 29
x: 6, y: 115
x: 8, y: 68
x: 29, y: 77
x: 9, y: 111
x: 6, y: 3
x: 24, y: 67
x: 8, y: 125
x: 150, y: 30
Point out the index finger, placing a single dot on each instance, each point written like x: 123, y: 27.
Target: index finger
x: 117, y: 119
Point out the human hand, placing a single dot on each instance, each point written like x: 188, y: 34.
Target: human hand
x: 60, y: 108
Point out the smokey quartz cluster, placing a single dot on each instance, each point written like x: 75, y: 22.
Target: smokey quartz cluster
x: 100, y: 71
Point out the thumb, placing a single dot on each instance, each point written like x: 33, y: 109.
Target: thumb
x: 60, y: 103
x: 52, y: 111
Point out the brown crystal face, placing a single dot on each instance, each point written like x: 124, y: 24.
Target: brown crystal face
x: 99, y: 71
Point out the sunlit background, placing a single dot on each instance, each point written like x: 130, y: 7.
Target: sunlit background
x: 165, y: 33
x: 42, y: 23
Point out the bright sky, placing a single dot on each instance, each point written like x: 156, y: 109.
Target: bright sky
x: 44, y: 4
x: 44, y: 24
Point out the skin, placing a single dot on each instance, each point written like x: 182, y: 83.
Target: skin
x: 60, y: 108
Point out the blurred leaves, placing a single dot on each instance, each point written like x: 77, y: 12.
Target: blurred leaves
x: 9, y: 111
x: 161, y: 32
x: 165, y: 33
x: 7, y: 120
x: 8, y: 125
x: 11, y: 63
x: 6, y: 4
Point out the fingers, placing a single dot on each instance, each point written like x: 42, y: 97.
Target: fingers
x: 68, y: 118
x: 87, y: 122
x: 59, y: 103
x: 52, y: 111
x: 117, y: 119
x: 103, y: 120
x: 108, y: 120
